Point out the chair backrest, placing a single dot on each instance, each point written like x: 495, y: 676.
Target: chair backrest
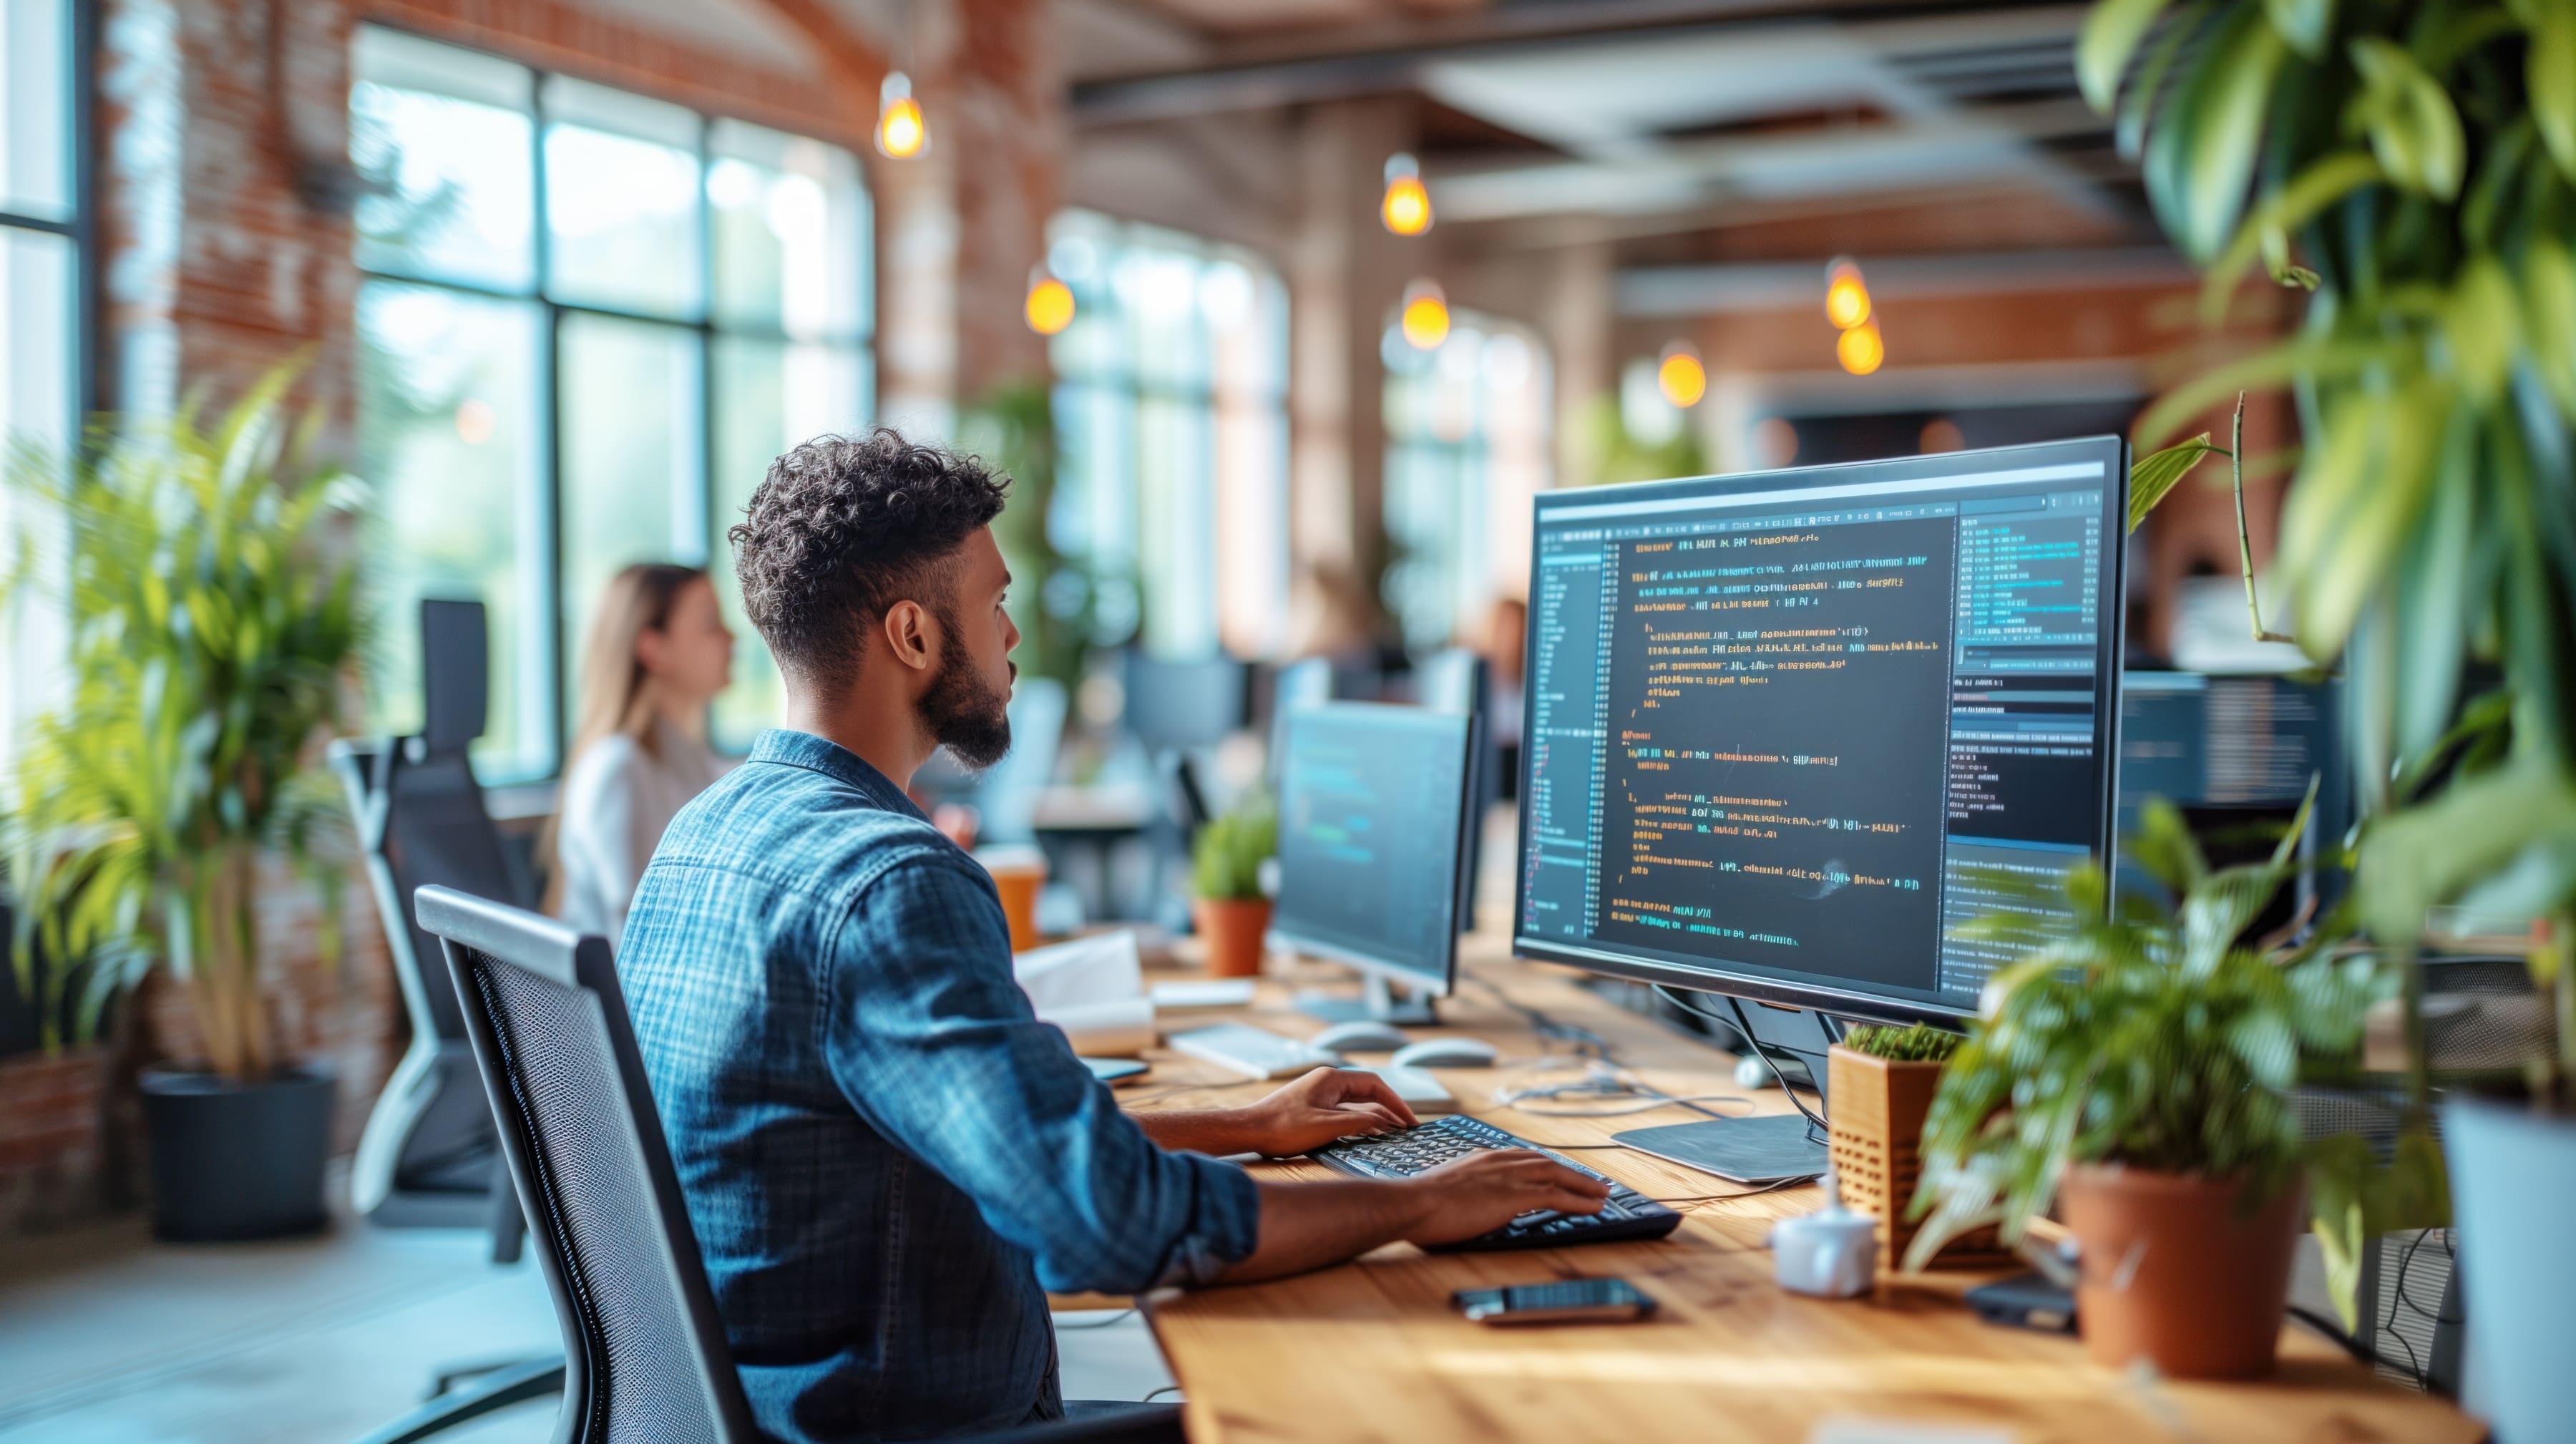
x: 644, y: 1350
x: 422, y: 823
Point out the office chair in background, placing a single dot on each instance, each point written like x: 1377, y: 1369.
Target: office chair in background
x: 428, y: 1157
x: 645, y: 1352
x: 1181, y: 712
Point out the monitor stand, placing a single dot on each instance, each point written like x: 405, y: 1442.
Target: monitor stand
x: 1746, y: 1150
x: 1765, y: 1149
x: 1377, y: 1002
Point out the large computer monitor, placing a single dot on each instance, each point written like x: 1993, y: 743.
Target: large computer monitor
x: 2236, y: 754
x: 1374, y: 822
x: 1784, y: 731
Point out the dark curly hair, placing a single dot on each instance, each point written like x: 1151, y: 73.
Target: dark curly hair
x: 842, y: 529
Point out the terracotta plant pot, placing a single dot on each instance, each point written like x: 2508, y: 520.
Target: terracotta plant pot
x: 1875, y: 1109
x: 1230, y: 930
x: 2177, y: 1271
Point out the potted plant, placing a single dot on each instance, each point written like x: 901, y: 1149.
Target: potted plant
x: 1229, y: 907
x: 2138, y: 1068
x: 212, y: 632
x: 2414, y: 167
x: 1882, y: 1080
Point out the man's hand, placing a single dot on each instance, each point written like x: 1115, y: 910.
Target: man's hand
x: 1324, y: 1105
x: 1483, y: 1191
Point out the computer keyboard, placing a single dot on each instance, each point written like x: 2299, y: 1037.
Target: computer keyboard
x: 1627, y: 1216
x: 1253, y: 1052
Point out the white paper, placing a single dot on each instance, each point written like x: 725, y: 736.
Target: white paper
x: 1119, y: 1029
x: 1202, y: 993
x: 1102, y: 969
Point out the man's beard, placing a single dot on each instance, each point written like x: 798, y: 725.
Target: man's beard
x: 969, y: 718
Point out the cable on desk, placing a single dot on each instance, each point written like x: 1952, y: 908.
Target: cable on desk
x: 1816, y: 1129
x: 1158, y: 1393
x: 1772, y: 1187
x: 1586, y: 1043
x: 1614, y: 1085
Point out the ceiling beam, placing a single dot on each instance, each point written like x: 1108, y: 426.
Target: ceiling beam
x: 1385, y: 56
x: 1664, y: 292
x: 850, y: 60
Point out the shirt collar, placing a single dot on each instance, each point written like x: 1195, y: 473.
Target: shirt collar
x: 790, y: 748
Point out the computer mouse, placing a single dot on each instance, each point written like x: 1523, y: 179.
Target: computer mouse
x: 1448, y: 1053
x: 1360, y: 1035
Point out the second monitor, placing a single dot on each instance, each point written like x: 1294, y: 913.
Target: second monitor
x: 1374, y: 819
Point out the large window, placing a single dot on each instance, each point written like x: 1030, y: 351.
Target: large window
x: 1171, y: 413
x: 42, y: 356
x: 1467, y: 447
x: 590, y: 320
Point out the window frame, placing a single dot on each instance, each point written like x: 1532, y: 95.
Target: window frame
x: 1205, y: 396
x: 702, y: 325
x: 81, y: 228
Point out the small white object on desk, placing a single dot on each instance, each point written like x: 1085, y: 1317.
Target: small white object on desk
x: 1831, y: 1253
x: 1121, y: 1028
x: 1420, y: 1091
x: 1365, y: 1035
x: 1255, y: 1053
x: 1448, y: 1053
x: 1202, y: 993
x: 1101, y: 969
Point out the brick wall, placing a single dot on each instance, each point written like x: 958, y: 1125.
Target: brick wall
x: 223, y: 137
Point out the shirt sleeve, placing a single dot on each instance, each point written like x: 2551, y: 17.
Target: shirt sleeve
x: 932, y: 1041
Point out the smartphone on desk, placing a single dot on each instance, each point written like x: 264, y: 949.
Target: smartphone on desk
x: 1566, y: 1301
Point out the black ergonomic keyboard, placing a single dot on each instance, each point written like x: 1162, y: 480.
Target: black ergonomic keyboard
x: 1626, y: 1217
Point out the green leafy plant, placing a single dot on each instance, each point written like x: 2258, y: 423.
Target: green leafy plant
x: 2164, y: 1038
x: 2411, y: 166
x: 1225, y: 861
x: 1013, y: 428
x: 1921, y: 1043
x: 214, y: 629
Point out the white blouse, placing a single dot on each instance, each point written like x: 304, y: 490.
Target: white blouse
x: 617, y: 800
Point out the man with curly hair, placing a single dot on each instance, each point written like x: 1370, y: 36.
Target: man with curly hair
x: 887, y: 1159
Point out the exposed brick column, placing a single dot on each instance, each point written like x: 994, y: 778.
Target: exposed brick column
x: 1345, y: 276
x: 960, y: 225
x: 227, y: 140
x: 1008, y: 132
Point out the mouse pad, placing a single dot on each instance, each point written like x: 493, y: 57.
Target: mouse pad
x: 1745, y: 1150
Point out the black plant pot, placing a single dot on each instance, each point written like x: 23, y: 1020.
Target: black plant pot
x: 232, y: 1162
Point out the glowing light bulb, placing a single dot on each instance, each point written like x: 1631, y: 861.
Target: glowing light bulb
x: 1050, y: 304
x: 1407, y: 207
x: 1426, y: 315
x: 900, y: 131
x: 1846, y: 299
x: 1861, y: 349
x: 1680, y: 375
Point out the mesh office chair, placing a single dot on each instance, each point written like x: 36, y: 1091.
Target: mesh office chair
x: 644, y: 1350
x: 428, y: 1157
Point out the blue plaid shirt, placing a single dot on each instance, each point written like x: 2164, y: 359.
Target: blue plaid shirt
x: 885, y: 1154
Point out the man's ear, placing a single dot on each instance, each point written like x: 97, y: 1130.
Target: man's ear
x: 910, y: 634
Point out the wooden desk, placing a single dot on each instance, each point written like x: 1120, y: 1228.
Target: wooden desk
x: 1373, y: 1350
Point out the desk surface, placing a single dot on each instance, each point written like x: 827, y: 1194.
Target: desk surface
x: 1374, y: 1351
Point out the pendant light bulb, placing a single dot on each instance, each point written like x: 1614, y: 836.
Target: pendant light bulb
x: 1846, y: 294
x: 1407, y: 206
x: 1425, y: 319
x: 901, y: 135
x: 1050, y: 307
x: 1681, y: 376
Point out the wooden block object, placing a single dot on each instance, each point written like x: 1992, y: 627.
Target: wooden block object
x: 1876, y: 1111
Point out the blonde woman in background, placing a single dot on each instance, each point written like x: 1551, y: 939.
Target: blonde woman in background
x: 657, y: 654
